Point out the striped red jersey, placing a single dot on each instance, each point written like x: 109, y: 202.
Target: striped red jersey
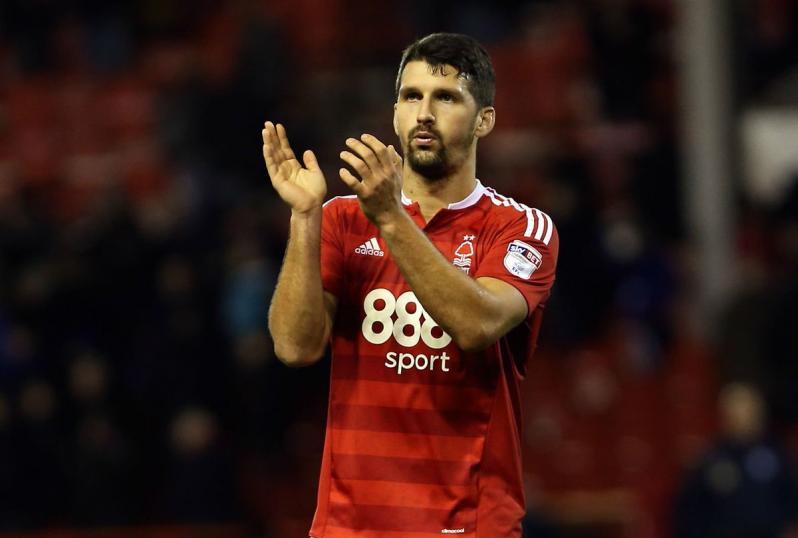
x: 424, y: 439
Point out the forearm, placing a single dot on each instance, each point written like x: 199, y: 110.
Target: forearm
x: 462, y: 307
x: 297, y: 316
x: 475, y: 314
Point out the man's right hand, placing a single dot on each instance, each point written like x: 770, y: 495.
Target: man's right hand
x: 301, y: 187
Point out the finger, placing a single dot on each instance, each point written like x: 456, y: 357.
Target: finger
x: 311, y: 163
x: 285, y: 147
x: 395, y: 157
x: 277, y: 178
x: 270, y: 138
x: 364, y: 152
x: 351, y: 181
x: 270, y: 135
x: 268, y: 127
x: 270, y: 156
x: 379, y: 149
x: 356, y: 163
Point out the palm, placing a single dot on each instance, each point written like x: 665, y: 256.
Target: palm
x: 301, y: 187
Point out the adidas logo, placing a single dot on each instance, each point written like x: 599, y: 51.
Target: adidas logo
x: 370, y: 248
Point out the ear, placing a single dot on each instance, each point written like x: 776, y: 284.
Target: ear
x: 395, y: 121
x: 486, y: 119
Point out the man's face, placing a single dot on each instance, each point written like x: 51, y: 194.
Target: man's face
x: 434, y: 117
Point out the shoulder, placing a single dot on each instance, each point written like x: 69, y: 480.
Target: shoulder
x: 505, y: 212
x: 340, y: 202
x: 341, y: 207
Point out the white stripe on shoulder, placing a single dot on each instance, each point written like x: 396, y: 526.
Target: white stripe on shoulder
x: 539, y: 228
x: 501, y: 200
x: 544, y: 225
x: 538, y: 223
x: 337, y: 197
x: 549, y: 229
x: 493, y: 196
x: 530, y: 222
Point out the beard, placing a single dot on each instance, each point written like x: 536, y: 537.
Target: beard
x: 433, y: 164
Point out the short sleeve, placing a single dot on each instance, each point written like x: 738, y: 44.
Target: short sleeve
x: 332, y: 251
x: 524, y: 254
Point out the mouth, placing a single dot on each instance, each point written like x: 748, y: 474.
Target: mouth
x: 424, y: 138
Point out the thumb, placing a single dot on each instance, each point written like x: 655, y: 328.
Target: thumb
x: 395, y: 157
x: 309, y: 158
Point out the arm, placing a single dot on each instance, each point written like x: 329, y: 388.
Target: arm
x: 476, y: 313
x: 301, y: 313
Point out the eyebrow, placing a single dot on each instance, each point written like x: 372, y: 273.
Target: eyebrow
x: 407, y: 89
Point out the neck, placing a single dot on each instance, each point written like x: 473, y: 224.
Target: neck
x: 432, y: 196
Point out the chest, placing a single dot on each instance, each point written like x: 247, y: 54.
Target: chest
x: 368, y: 260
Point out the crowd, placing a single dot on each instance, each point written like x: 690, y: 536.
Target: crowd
x: 140, y: 240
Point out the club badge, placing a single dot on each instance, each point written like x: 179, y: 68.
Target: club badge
x: 463, y: 254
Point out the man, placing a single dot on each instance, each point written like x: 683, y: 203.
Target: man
x: 431, y: 288
x: 744, y: 486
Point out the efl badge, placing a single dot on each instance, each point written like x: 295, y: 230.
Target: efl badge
x: 521, y: 259
x: 462, y: 256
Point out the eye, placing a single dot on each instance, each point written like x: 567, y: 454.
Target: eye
x: 412, y: 96
x: 446, y: 97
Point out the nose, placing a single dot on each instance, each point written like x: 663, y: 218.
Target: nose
x: 425, y: 113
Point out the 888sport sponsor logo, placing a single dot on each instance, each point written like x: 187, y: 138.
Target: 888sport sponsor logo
x: 405, y: 320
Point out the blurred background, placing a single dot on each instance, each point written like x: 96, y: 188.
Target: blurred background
x: 140, y: 241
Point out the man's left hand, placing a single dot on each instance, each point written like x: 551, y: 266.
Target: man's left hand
x: 379, y: 188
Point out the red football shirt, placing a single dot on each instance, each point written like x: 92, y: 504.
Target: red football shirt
x: 423, y: 439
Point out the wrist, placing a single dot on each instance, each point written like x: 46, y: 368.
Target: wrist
x: 307, y: 214
x: 389, y: 223
x: 305, y: 221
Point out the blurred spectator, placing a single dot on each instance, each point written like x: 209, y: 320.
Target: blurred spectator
x: 744, y: 487
x: 199, y: 479
x: 101, y: 491
x: 88, y: 380
x: 40, y: 482
x: 757, y: 334
x: 250, y: 279
x: 9, y: 502
x: 624, y: 39
x: 139, y: 242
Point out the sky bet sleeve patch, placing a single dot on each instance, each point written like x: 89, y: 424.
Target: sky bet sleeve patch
x: 521, y: 259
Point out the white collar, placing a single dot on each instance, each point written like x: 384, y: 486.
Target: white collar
x: 468, y: 201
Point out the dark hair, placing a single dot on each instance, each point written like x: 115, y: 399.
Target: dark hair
x: 462, y: 52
